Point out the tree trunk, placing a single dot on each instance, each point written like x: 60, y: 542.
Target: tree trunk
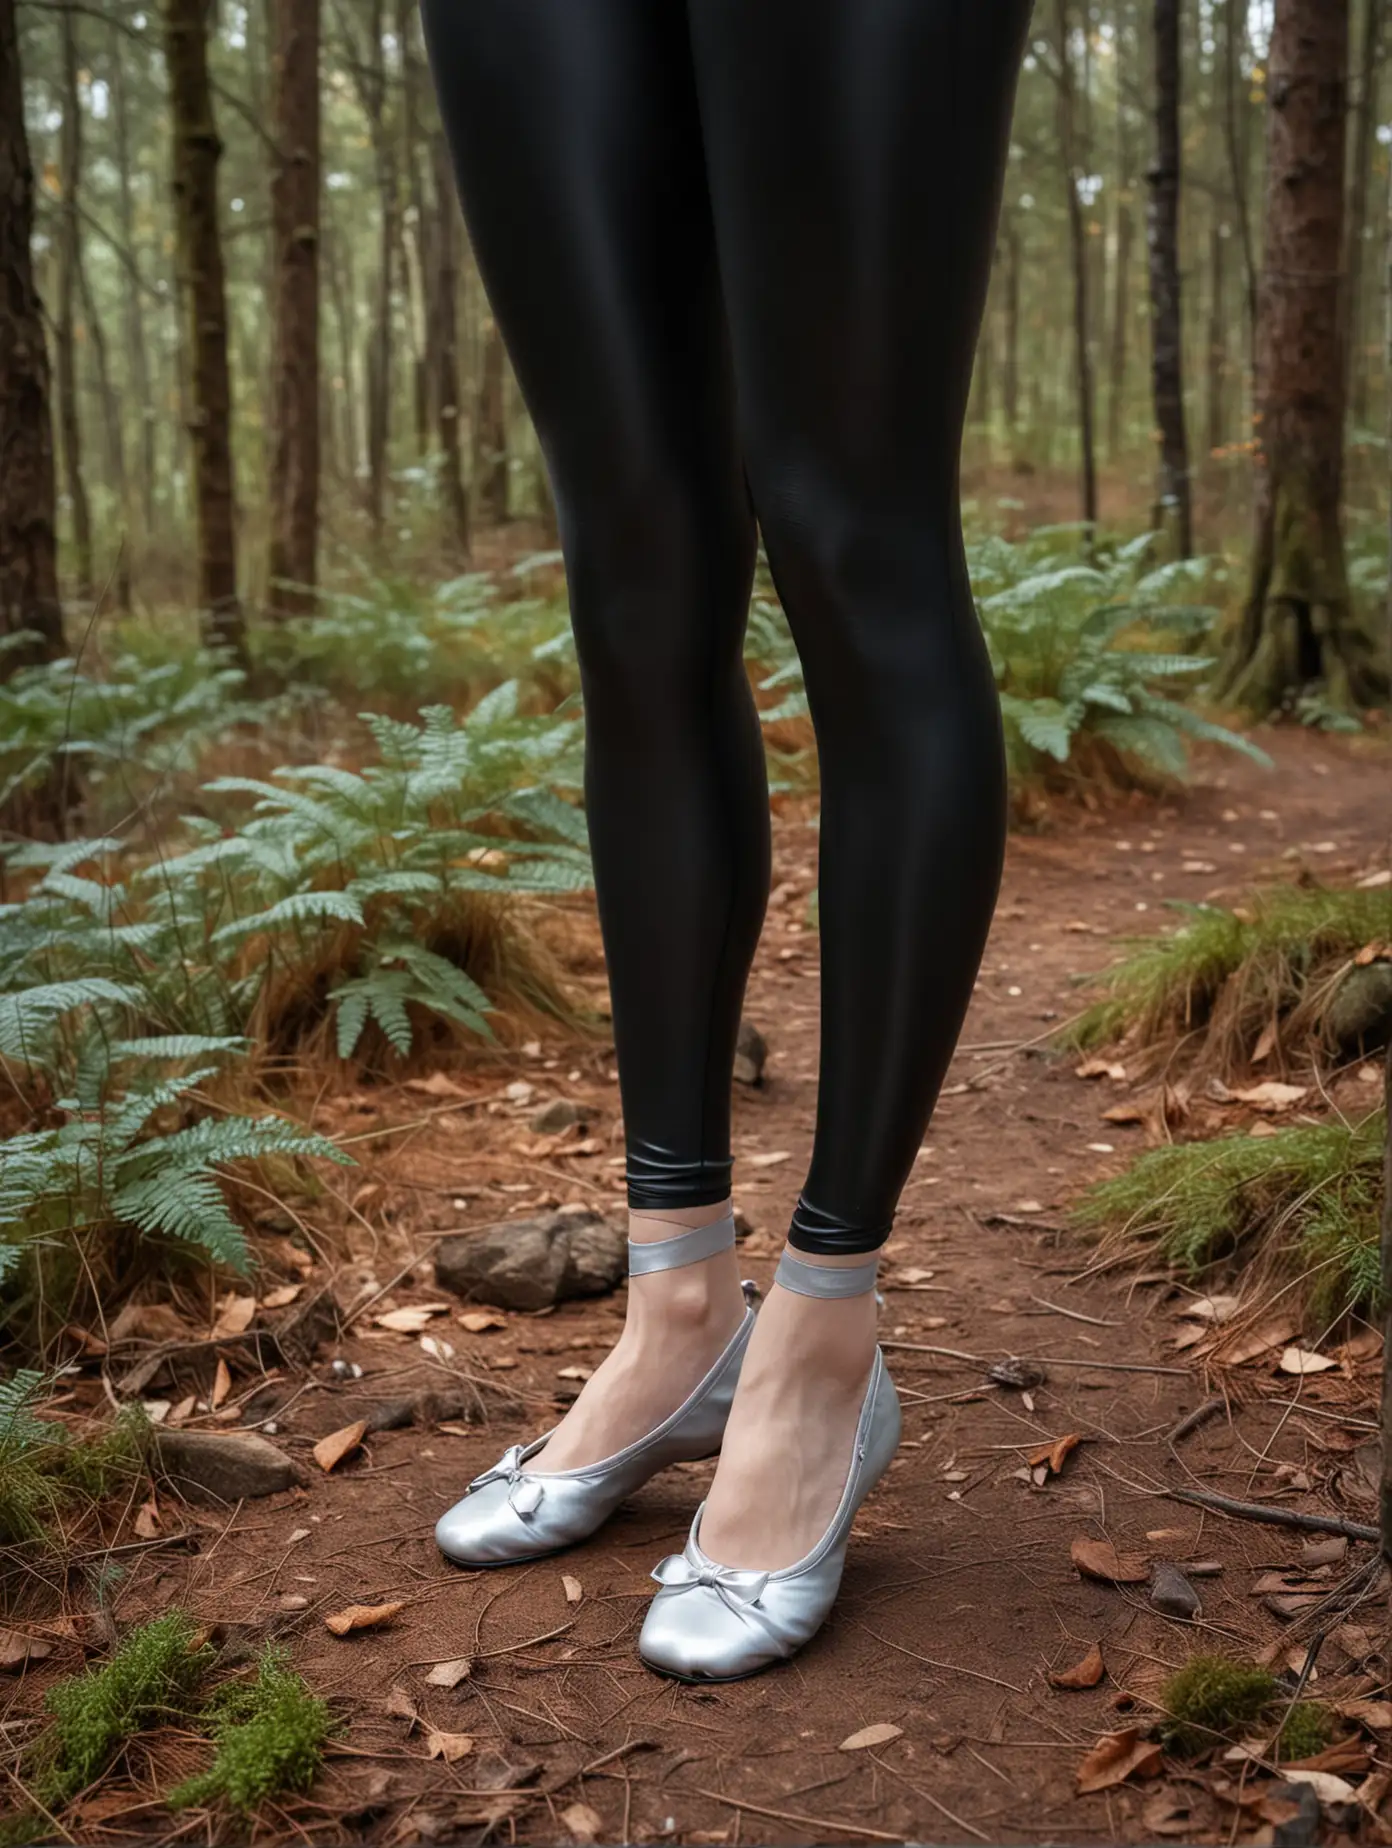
x: 1121, y: 284
x: 1217, y: 343
x: 115, y: 442
x: 1385, y: 1499
x: 29, y: 603
x: 134, y: 316
x: 446, y: 352
x: 69, y: 260
x: 1078, y: 245
x: 196, y: 151
x: 1236, y: 116
x: 1174, y: 500
x: 1298, y: 629
x: 1360, y: 186
x: 1010, y: 371
x: 491, y: 437
x: 295, y: 211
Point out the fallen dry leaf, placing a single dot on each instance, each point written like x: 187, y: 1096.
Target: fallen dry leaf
x: 879, y: 1734
x: 1371, y: 953
x: 222, y: 1384
x: 1304, y: 1360
x: 413, y: 1320
x: 1272, y: 1096
x: 17, y: 1651
x: 1099, y: 1559
x: 1216, y: 1309
x: 479, y: 1321
x: 582, y: 1823
x: 363, y: 1617
x: 1376, y: 1715
x: 330, y: 1451
x: 572, y: 1587
x: 1101, y: 1068
x: 1327, y: 1787
x: 1084, y: 1674
x: 769, y: 1160
x: 282, y: 1296
x: 1117, y: 1757
x: 1255, y: 1343
x: 234, y: 1316
x: 450, y: 1674
x: 436, y: 1085
x: 1056, y: 1452
x: 400, y: 1706
x: 449, y: 1746
x: 500, y: 1363
x: 575, y: 1373
x: 147, y: 1520
x: 1124, y: 1114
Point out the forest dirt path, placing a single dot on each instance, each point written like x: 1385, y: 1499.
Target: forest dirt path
x: 960, y: 1593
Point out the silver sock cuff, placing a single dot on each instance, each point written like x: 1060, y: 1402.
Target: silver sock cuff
x: 828, y: 1280
x: 693, y: 1247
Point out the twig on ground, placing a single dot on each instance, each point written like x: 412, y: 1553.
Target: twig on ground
x: 1273, y: 1517
x: 1199, y: 1416
x: 1038, y: 1360
x: 816, y: 1823
x: 1074, y: 1315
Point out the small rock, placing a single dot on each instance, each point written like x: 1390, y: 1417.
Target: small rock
x: 533, y: 1263
x: 1022, y: 1375
x: 751, y: 1052
x: 1324, y: 1552
x: 1359, y: 1015
x: 1171, y: 1593
x: 1303, y: 1829
x: 201, y: 1466
x: 561, y: 1113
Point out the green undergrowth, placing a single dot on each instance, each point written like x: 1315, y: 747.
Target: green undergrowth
x: 268, y: 1730
x: 1273, y: 965
x: 46, y: 1474
x: 153, y: 1676
x: 269, y: 1733
x: 1304, y: 1202
x: 1211, y: 1698
x: 1215, y: 1698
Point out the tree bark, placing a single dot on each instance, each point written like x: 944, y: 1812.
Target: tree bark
x: 1385, y: 1499
x: 69, y: 261
x: 115, y: 441
x: 1298, y: 629
x: 491, y: 468
x: 1121, y: 282
x: 1236, y: 118
x: 1010, y: 371
x: 134, y: 315
x: 1067, y: 129
x: 1174, y: 499
x: 196, y: 151
x: 455, y: 500
x: 1215, y: 418
x: 1356, y: 369
x: 295, y: 217
x: 29, y: 605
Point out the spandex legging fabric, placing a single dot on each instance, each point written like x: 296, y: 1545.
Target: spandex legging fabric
x: 738, y: 251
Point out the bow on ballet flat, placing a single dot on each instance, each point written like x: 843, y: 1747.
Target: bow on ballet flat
x: 736, y: 1589
x: 525, y: 1493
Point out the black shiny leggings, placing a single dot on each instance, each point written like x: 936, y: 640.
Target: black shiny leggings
x: 738, y: 250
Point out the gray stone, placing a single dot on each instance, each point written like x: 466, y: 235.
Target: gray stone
x: 237, y: 1467
x: 532, y: 1263
x: 1360, y: 1012
x: 751, y: 1051
x: 1171, y: 1593
x: 561, y: 1113
x: 1302, y: 1830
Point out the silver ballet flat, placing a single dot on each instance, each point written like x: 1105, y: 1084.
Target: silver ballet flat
x: 510, y: 1513
x: 720, y: 1623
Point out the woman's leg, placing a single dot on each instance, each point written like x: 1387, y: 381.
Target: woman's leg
x: 575, y: 138
x: 856, y: 150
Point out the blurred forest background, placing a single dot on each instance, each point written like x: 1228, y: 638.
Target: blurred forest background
x: 271, y: 363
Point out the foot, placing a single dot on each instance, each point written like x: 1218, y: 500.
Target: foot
x: 679, y: 1322
x: 788, y: 1444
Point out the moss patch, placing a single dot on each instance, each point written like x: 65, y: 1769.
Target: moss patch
x: 270, y: 1733
x: 1211, y: 1698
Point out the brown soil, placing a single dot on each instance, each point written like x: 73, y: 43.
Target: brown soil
x: 960, y: 1596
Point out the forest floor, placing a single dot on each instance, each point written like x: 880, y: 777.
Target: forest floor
x: 961, y: 1594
